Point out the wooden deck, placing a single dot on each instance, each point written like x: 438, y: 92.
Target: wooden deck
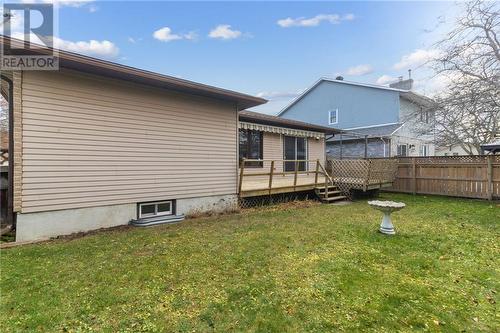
x: 272, y: 180
x: 252, y: 186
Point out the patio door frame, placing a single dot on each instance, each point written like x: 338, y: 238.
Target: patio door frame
x: 290, y: 166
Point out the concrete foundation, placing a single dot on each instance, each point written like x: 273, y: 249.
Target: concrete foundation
x: 44, y: 225
x: 219, y: 203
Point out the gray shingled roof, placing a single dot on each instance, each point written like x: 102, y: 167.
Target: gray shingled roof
x: 492, y: 146
x: 371, y: 132
x: 418, y: 99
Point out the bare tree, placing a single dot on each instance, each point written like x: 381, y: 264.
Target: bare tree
x: 467, y: 111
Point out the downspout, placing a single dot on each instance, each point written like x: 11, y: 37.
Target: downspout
x: 11, y: 218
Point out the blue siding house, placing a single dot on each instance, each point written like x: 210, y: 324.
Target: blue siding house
x: 356, y: 105
x: 383, y: 117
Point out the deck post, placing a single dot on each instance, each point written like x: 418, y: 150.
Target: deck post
x: 295, y: 175
x: 326, y: 187
x: 317, y: 172
x: 489, y: 175
x: 242, y: 167
x: 414, y: 175
x: 271, y: 177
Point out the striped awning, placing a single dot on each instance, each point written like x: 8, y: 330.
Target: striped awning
x: 280, y: 130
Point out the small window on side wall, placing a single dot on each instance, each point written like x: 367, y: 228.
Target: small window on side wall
x: 402, y: 150
x: 150, y: 209
x: 333, y: 116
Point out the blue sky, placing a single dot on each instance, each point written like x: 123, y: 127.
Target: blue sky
x: 259, y: 54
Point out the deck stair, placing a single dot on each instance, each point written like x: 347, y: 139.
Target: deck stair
x: 329, y: 193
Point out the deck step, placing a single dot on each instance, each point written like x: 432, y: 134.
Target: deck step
x: 155, y: 220
x: 330, y: 193
x: 330, y: 199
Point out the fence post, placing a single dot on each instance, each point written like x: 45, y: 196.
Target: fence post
x: 340, y: 152
x: 241, y: 175
x: 489, y: 181
x: 414, y: 171
x: 271, y: 172
x: 366, y: 146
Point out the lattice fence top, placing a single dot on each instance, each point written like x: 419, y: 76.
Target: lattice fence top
x: 450, y: 159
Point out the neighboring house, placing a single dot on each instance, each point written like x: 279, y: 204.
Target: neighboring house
x: 382, y: 121
x: 97, y: 144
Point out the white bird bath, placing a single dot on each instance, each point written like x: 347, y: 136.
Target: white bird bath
x: 387, y: 207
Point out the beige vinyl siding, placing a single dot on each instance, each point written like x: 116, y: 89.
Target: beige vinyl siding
x: 317, y: 150
x: 17, y: 77
x: 90, y: 141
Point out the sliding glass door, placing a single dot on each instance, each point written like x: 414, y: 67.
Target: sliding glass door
x: 295, y: 148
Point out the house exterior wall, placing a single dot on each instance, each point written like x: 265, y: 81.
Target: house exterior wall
x: 357, y: 105
x: 89, y: 141
x: 454, y: 150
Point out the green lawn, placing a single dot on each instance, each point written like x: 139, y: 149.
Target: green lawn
x: 291, y: 268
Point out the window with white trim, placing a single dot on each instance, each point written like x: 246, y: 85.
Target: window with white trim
x: 402, y: 150
x: 333, y: 116
x: 150, y: 209
x: 424, y: 150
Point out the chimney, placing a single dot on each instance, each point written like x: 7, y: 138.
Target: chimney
x: 403, y: 84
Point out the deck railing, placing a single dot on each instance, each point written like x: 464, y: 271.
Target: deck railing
x: 318, y: 170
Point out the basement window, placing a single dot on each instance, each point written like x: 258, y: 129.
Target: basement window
x: 150, y: 209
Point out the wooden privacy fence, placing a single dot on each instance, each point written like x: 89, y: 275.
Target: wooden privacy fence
x: 457, y: 176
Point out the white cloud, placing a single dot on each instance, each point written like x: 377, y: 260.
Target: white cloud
x: 102, y: 49
x: 95, y: 48
x: 360, y: 70
x: 61, y: 3
x: 416, y: 58
x: 348, y: 17
x: 165, y: 35
x: 386, y: 79
x: 93, y: 8
x: 314, y: 21
x: 191, y: 35
x: 224, y: 31
x: 276, y: 95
